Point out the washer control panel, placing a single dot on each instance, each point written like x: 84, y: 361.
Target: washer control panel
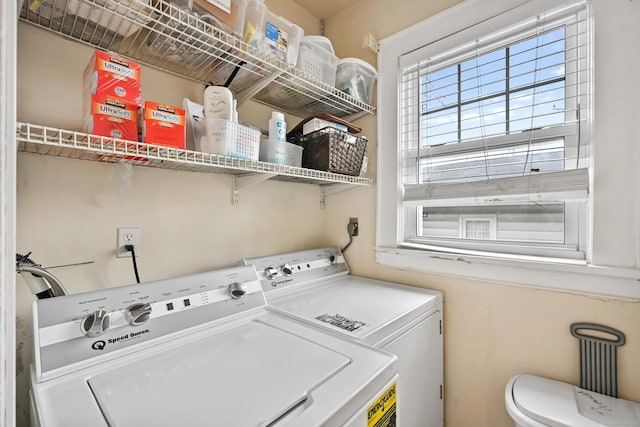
x: 76, y: 328
x: 292, y: 269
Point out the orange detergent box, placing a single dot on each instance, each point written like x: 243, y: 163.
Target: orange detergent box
x: 163, y: 124
x: 113, y: 76
x: 111, y: 117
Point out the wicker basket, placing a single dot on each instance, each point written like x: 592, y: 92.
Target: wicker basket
x: 332, y: 150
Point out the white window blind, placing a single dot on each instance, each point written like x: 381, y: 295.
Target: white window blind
x: 500, y: 124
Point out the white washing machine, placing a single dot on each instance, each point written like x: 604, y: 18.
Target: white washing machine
x: 315, y: 287
x: 199, y: 350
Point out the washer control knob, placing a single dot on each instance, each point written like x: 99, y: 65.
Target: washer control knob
x: 237, y: 290
x: 95, y: 324
x: 270, y: 272
x: 137, y: 314
x: 286, y: 269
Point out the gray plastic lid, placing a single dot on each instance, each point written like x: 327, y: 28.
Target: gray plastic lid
x: 558, y: 404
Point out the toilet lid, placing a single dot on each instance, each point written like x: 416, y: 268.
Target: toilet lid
x: 558, y: 404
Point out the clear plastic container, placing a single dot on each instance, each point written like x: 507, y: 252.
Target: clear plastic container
x: 253, y: 33
x: 271, y: 33
x: 108, y: 14
x: 231, y: 22
x: 281, y: 153
x: 356, y: 78
x: 282, y: 37
x: 317, y: 60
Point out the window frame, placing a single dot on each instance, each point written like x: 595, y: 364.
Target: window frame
x: 613, y: 255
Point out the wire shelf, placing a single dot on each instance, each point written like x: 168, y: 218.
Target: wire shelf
x: 164, y: 36
x: 76, y: 145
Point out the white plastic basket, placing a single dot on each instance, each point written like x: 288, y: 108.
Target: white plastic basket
x: 317, y: 60
x: 220, y: 136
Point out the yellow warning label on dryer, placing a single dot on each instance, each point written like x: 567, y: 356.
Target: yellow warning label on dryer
x: 382, y: 413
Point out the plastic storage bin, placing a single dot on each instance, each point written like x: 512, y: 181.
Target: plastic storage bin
x: 254, y: 22
x: 168, y: 40
x: 271, y: 33
x: 282, y: 153
x: 357, y: 78
x: 317, y: 60
x: 231, y: 22
x: 220, y: 136
x: 332, y: 150
x: 107, y: 13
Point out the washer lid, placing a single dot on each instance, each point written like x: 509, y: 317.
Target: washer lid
x: 558, y: 404
x: 246, y: 376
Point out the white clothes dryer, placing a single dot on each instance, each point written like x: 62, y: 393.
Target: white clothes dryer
x: 195, y: 351
x: 315, y: 287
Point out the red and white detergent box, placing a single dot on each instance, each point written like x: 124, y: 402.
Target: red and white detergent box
x: 113, y: 76
x: 112, y: 117
x: 163, y: 124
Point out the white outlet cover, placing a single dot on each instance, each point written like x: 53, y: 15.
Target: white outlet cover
x: 126, y: 235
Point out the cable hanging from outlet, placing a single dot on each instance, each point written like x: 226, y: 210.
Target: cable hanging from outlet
x: 132, y: 249
x: 352, y: 230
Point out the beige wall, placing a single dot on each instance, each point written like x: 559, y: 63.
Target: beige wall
x: 292, y: 11
x: 492, y: 331
x: 69, y: 210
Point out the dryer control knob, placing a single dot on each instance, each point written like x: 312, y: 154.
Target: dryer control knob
x: 95, y: 324
x: 270, y: 272
x: 137, y: 314
x: 237, y: 290
x: 286, y: 270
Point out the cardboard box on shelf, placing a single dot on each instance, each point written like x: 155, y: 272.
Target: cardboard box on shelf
x: 111, y: 117
x: 163, y: 125
x: 110, y: 75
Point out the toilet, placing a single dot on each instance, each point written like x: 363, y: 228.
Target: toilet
x: 534, y: 401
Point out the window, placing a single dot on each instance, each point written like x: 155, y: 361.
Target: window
x: 605, y: 258
x: 494, y: 143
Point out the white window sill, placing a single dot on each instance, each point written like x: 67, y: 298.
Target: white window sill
x: 579, y: 278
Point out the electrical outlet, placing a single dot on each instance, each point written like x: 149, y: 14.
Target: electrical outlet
x: 128, y: 236
x: 354, y: 222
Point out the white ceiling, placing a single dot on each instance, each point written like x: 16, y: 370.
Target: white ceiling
x: 324, y: 9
